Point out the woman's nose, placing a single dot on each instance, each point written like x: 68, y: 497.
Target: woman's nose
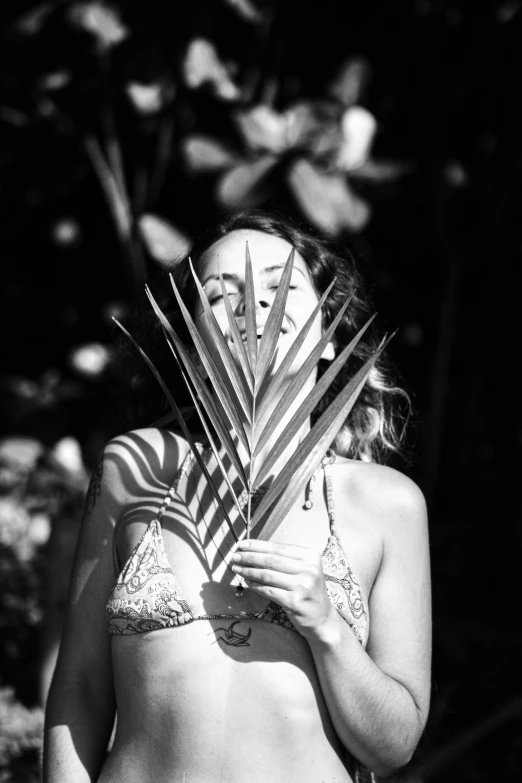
x: 261, y: 304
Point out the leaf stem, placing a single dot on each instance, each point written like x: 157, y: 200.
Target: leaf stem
x: 251, y: 473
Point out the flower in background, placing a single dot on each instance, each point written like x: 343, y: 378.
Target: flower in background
x: 33, y: 480
x: 149, y: 98
x: 67, y: 454
x: 14, y: 525
x: 101, y: 21
x: 246, y: 9
x: 203, y: 66
x: 55, y: 80
x: 27, y: 396
x: 455, y: 174
x: 165, y: 243
x: 319, y: 147
x: 18, y: 457
x: 90, y: 360
x: 358, y: 129
x: 32, y: 21
x: 66, y: 232
x: 21, y: 731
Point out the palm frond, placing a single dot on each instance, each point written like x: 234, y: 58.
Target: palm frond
x: 250, y: 312
x: 249, y: 399
x: 184, y: 428
x: 300, y: 467
x: 301, y: 377
x: 226, y: 396
x: 231, y: 375
x: 212, y: 410
x: 236, y: 337
x: 210, y: 439
x: 267, y: 396
x: 307, y: 406
x: 272, y: 328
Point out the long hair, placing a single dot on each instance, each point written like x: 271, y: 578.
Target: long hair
x: 373, y: 430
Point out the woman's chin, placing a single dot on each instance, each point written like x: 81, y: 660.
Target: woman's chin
x: 283, y: 346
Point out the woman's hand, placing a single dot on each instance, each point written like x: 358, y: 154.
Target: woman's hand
x: 288, y: 574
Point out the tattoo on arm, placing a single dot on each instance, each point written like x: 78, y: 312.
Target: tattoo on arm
x: 94, y: 490
x: 233, y: 638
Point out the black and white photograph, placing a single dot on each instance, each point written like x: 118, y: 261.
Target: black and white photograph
x: 260, y: 515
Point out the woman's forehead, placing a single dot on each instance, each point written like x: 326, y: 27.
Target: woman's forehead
x: 266, y: 251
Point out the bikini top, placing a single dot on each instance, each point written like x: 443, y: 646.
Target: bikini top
x: 147, y: 596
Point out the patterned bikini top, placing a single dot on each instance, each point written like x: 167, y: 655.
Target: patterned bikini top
x: 147, y: 596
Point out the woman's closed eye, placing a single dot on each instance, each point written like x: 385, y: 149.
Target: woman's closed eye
x: 218, y: 296
x: 273, y: 280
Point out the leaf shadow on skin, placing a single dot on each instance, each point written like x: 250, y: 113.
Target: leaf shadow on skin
x: 147, y: 472
x: 147, y: 477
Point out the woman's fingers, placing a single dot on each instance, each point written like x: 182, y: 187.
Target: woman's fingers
x: 265, y: 560
x: 277, y: 594
x: 288, y: 574
x: 272, y: 547
x: 265, y: 578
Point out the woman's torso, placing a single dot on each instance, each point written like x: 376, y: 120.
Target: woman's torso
x: 224, y: 699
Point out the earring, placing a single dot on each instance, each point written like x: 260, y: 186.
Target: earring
x: 328, y: 458
x: 309, y: 490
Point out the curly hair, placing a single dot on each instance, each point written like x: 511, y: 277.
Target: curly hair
x: 375, y: 426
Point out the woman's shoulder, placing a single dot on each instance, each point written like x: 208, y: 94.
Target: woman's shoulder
x: 149, y: 439
x: 388, y: 495
x: 147, y: 454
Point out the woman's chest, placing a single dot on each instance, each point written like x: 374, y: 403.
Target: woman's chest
x: 195, y: 538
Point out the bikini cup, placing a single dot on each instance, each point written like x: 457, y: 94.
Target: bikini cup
x: 147, y: 595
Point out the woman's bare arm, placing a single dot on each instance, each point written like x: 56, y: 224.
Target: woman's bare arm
x: 378, y: 699
x: 81, y: 704
x: 80, y: 707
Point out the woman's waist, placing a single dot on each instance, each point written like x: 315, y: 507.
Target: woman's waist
x: 229, y: 692
x: 231, y: 750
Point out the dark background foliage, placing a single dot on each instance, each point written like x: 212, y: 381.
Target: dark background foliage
x: 440, y: 248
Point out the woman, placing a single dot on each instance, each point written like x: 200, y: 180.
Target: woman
x: 305, y: 657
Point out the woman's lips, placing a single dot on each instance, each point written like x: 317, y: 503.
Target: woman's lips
x: 259, y: 334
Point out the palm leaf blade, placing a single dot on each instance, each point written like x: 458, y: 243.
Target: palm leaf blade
x: 291, y: 481
x: 272, y: 328
x: 250, y: 312
x: 308, y: 405
x: 208, y: 433
x: 297, y: 383
x: 247, y: 389
x: 226, y: 396
x: 184, y: 428
x: 232, y: 373
x: 236, y: 336
x: 209, y: 405
x: 280, y: 374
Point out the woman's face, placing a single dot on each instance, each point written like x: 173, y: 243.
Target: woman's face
x: 268, y: 254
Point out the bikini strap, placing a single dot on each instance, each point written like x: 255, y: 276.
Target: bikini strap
x: 175, y: 484
x: 328, y: 460
x: 168, y: 497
